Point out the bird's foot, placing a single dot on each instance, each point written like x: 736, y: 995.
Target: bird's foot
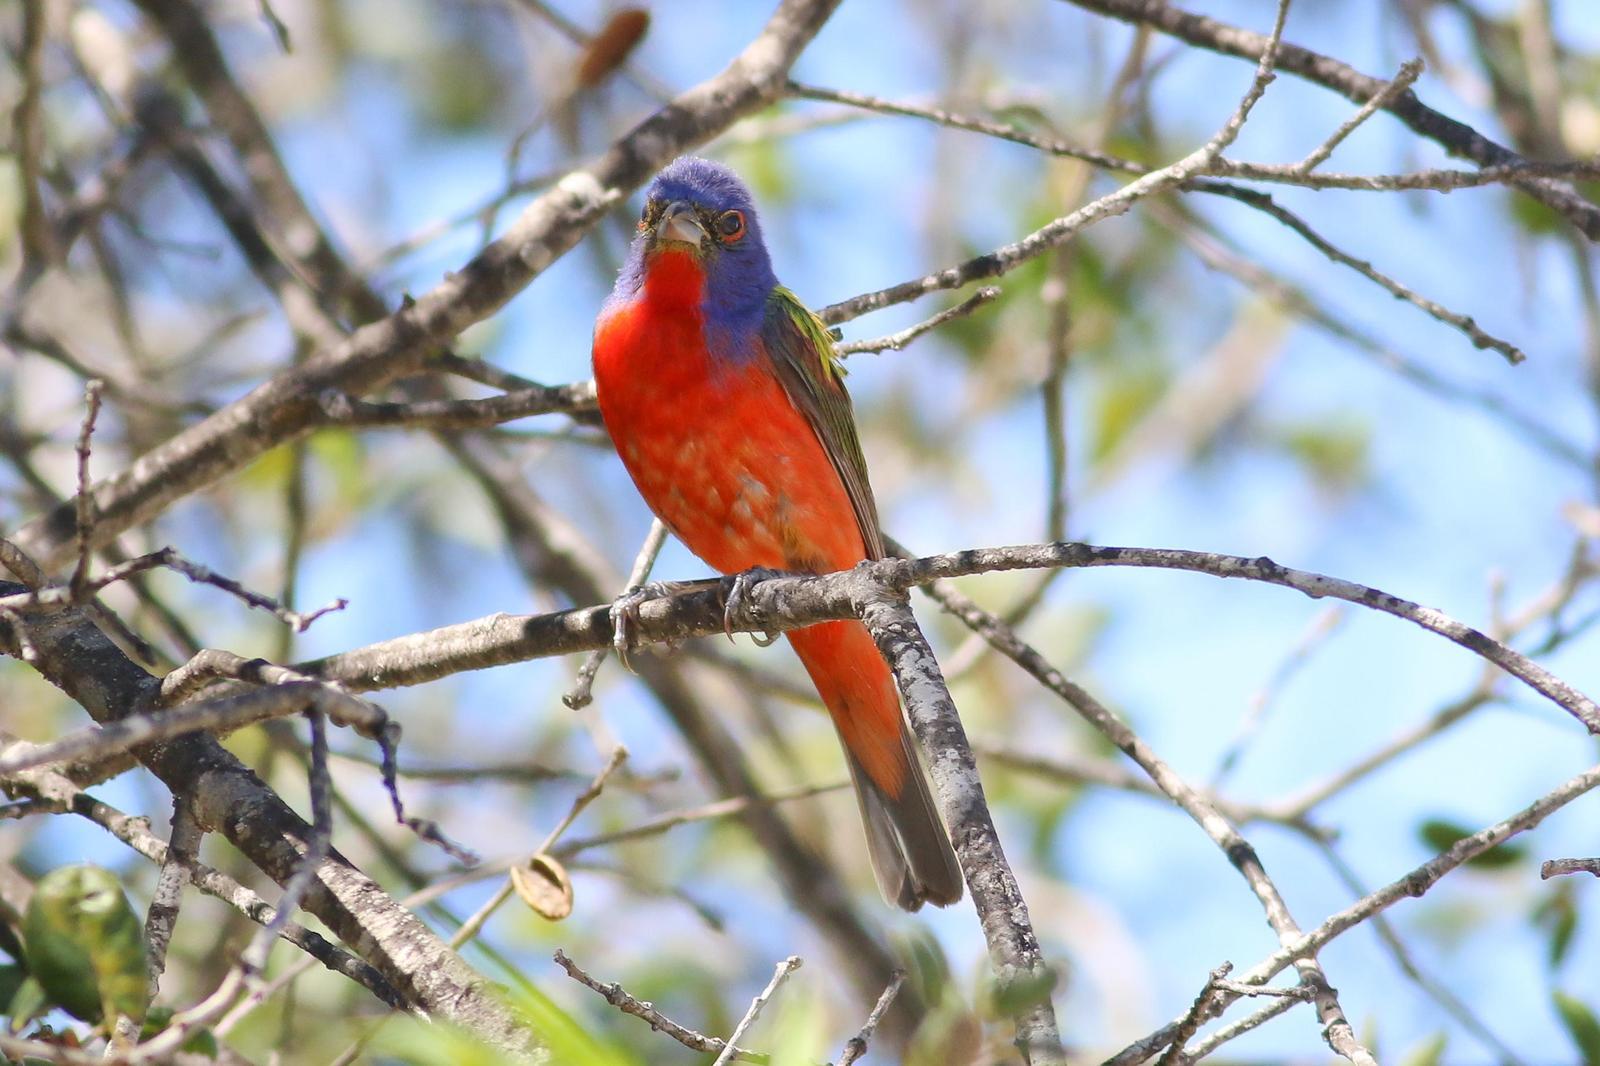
x: 625, y: 615
x: 737, y: 602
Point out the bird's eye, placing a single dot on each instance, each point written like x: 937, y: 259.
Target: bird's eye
x: 731, y: 226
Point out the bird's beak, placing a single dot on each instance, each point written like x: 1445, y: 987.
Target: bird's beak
x: 680, y: 223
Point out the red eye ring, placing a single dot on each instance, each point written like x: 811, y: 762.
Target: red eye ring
x: 731, y: 226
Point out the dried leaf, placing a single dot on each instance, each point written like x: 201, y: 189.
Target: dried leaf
x: 612, y: 46
x: 544, y: 886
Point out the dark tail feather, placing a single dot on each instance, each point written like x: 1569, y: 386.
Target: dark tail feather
x: 910, y: 851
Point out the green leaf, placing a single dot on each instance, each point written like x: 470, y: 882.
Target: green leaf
x: 1429, y: 1053
x: 85, y: 945
x: 1442, y: 835
x: 1581, y: 1025
x: 11, y: 979
x: 1558, y: 913
x: 26, y: 1003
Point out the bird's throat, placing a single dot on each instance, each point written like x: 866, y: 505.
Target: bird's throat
x: 674, y: 280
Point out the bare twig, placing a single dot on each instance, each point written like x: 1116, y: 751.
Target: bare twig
x: 220, y: 716
x: 1321, y: 627
x: 615, y: 995
x: 470, y: 927
x: 725, y: 808
x: 581, y: 693
x: 84, y: 502
x: 1415, y: 883
x: 781, y: 974
x: 177, y: 871
x: 339, y: 409
x: 895, y: 342
x: 1557, y: 867
x: 1464, y: 323
x: 706, y: 812
x: 1192, y: 1021
x: 169, y: 559
x: 1456, y: 137
x: 1407, y: 76
x: 856, y: 1046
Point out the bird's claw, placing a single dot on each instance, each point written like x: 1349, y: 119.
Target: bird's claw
x: 624, y: 615
x: 737, y: 602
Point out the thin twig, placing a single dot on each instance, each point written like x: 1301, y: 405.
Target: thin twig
x: 254, y: 958
x: 221, y: 716
x: 1557, y: 867
x: 779, y: 975
x: 856, y: 1046
x: 619, y: 998
x: 895, y: 342
x: 1464, y: 323
x: 725, y: 808
x: 340, y: 409
x: 176, y: 874
x: 1415, y: 883
x: 1409, y: 72
x: 1196, y: 1017
x: 470, y: 927
x: 169, y: 559
x: 84, y: 500
x: 581, y: 693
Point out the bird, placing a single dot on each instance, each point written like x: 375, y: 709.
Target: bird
x: 725, y: 400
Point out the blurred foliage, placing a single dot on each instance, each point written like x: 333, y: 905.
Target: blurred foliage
x: 1581, y: 1025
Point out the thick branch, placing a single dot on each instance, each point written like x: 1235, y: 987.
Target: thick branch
x: 1025, y: 980
x: 791, y: 602
x: 228, y: 798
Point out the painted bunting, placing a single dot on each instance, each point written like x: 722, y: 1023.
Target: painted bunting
x: 726, y: 402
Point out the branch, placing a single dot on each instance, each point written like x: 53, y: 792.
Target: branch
x: 1019, y: 965
x: 228, y: 798
x: 619, y: 998
x: 791, y: 602
x: 1464, y: 323
x: 856, y: 1046
x: 60, y: 793
x: 785, y: 968
x: 1558, y: 867
x: 339, y: 409
x: 1456, y: 137
x: 894, y: 342
x: 287, y: 406
x: 1415, y: 883
x: 222, y: 715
